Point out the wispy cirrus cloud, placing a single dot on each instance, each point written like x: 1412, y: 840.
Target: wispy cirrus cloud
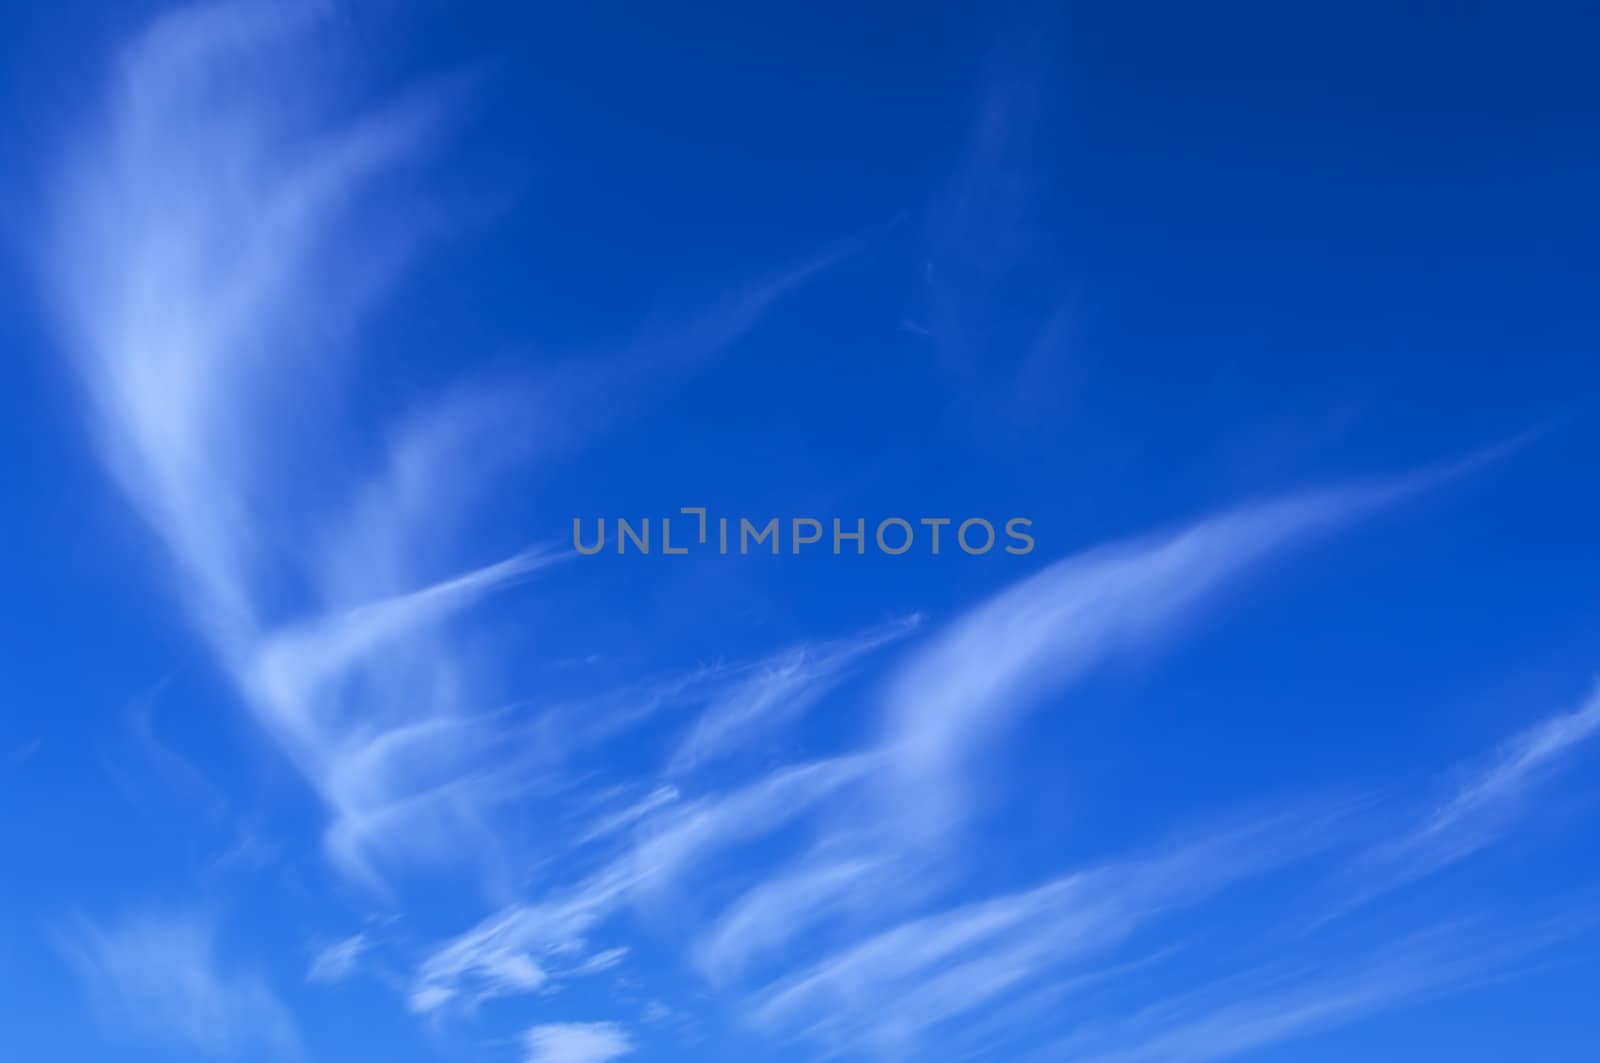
x: 982, y: 235
x: 1469, y: 818
x: 336, y: 962
x: 159, y: 976
x: 731, y: 701
x: 1482, y: 809
x: 997, y: 294
x: 577, y: 1042
x: 512, y: 951
x: 619, y: 820
x: 215, y: 240
x: 198, y: 262
x: 885, y: 991
x: 1104, y: 925
x: 960, y: 689
x: 1000, y: 659
x: 781, y: 907
x: 667, y: 835
x: 1283, y: 1003
x: 776, y: 690
x: 853, y: 863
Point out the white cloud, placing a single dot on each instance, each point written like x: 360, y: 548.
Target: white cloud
x: 213, y: 243
x: 888, y: 989
x: 671, y: 844
x: 600, y: 961
x: 201, y: 252
x: 501, y: 955
x: 159, y: 976
x: 620, y: 820
x: 337, y: 961
x: 1477, y: 814
x: 1287, y: 1002
x: 959, y: 691
x: 969, y: 683
x: 510, y: 951
x: 779, y: 908
x: 1460, y: 824
x: 577, y: 1042
x: 776, y: 690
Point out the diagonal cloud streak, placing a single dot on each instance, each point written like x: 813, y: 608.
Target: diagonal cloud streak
x: 212, y: 243
x: 1006, y: 655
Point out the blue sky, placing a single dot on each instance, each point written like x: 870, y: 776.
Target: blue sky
x: 325, y: 322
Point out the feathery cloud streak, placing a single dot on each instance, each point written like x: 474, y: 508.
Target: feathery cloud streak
x: 1480, y: 812
x: 214, y: 242
x: 577, y: 1042
x: 159, y: 977
x: 1001, y: 658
